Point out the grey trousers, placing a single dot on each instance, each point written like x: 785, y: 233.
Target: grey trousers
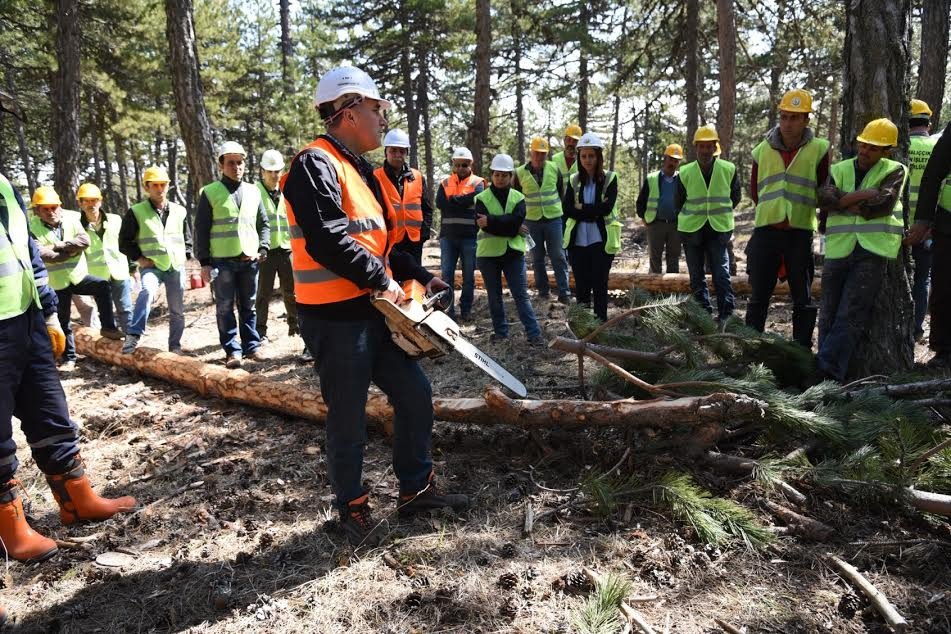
x: 661, y: 235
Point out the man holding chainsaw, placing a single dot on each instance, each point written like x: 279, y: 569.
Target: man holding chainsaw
x: 342, y: 229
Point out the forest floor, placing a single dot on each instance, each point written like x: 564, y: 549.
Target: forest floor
x: 235, y: 535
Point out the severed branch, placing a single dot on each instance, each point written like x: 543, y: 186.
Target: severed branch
x: 578, y: 346
x: 630, y: 614
x: 800, y: 524
x: 879, y: 600
x: 591, y: 336
x: 736, y: 464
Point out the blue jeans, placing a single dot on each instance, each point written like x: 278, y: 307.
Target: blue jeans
x: 512, y: 264
x: 99, y: 289
x: 713, y: 244
x: 31, y: 391
x: 122, y: 299
x: 919, y: 289
x: 548, y: 238
x: 351, y: 354
x: 450, y: 251
x: 174, y: 281
x: 236, y: 280
x: 849, y: 289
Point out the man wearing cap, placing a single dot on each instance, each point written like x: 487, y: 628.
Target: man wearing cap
x: 278, y: 261
x: 565, y: 160
x: 232, y: 235
x: 63, y: 241
x: 708, y: 191
x: 789, y: 166
x: 342, y: 228
x: 405, y: 188
x: 103, y: 256
x: 655, y: 205
x: 863, y: 231
x: 933, y: 222
x: 542, y: 184
x: 920, y: 146
x: 455, y: 200
x: 156, y: 237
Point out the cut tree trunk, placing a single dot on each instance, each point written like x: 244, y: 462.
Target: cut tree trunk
x: 701, y: 417
x: 665, y: 283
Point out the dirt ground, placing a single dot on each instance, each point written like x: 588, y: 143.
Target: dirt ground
x: 235, y: 534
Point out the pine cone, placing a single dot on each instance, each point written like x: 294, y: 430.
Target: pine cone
x: 849, y: 604
x: 530, y: 573
x: 508, y: 609
x: 508, y: 550
x: 507, y: 581
x: 527, y: 592
x: 574, y: 582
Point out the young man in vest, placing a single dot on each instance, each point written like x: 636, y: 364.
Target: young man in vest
x: 405, y: 188
x: 542, y: 184
x: 232, y: 238
x: 655, y: 205
x: 30, y: 389
x: 455, y: 200
x: 788, y: 168
x: 342, y: 232
x: 156, y: 236
x: 709, y: 189
x: 566, y: 160
x: 103, y: 256
x: 932, y: 220
x: 63, y: 241
x: 919, y: 151
x: 863, y: 231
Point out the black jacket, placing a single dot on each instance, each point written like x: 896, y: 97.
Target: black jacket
x: 938, y: 168
x: 590, y: 212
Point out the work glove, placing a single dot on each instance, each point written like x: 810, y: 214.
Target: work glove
x: 57, y: 336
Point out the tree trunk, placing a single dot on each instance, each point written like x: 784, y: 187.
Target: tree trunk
x: 479, y: 128
x: 617, y: 93
x: 123, y: 199
x: 696, y: 416
x: 834, y: 98
x: 422, y: 102
x: 691, y: 75
x: 517, y: 42
x: 21, y: 138
x: 876, y: 85
x: 584, y: 80
x: 287, y: 47
x: 64, y: 96
x: 94, y: 139
x: 726, y: 35
x: 138, y: 176
x: 109, y: 202
x: 934, y: 55
x: 189, y: 96
x: 406, y: 75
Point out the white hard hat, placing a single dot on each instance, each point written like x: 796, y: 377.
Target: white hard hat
x: 230, y: 147
x: 396, y: 138
x: 461, y: 154
x: 502, y: 163
x: 345, y: 80
x: 272, y: 160
x: 590, y: 139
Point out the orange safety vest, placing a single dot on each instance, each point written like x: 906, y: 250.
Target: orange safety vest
x: 409, y: 209
x: 369, y: 222
x: 453, y: 187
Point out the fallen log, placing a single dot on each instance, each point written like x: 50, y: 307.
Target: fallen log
x: 666, y: 283
x: 702, y: 417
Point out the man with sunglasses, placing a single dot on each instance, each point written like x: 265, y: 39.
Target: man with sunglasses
x: 342, y: 232
x: 457, y: 230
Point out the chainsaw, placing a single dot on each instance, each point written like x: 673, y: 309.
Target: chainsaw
x: 421, y: 328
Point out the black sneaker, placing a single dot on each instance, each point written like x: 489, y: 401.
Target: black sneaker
x: 430, y: 499
x: 564, y: 299
x: 358, y: 524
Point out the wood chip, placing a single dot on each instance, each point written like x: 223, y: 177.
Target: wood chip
x: 115, y: 560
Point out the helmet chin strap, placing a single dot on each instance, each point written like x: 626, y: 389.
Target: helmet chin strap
x: 344, y: 107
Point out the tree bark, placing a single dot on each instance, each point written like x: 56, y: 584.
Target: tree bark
x: 726, y: 35
x: 422, y: 102
x: 875, y: 85
x: 93, y: 124
x: 691, y: 75
x: 479, y: 128
x: 137, y: 171
x: 287, y: 46
x: 406, y: 74
x: 189, y: 95
x: 517, y: 42
x: 21, y: 137
x: 584, y: 81
x: 64, y: 96
x: 932, y: 70
x: 696, y: 416
x: 123, y: 200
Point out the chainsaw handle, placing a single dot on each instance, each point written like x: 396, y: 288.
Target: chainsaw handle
x: 441, y: 301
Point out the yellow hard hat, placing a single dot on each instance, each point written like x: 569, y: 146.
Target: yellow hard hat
x: 539, y: 145
x: 674, y: 151
x: 796, y: 100
x: 88, y: 190
x: 706, y: 133
x: 574, y: 131
x: 155, y: 174
x: 45, y: 195
x: 919, y: 108
x: 880, y: 132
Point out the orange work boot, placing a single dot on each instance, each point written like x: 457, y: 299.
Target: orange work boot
x: 20, y: 541
x: 77, y: 501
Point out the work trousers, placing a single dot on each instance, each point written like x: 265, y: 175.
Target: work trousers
x: 278, y: 263
x: 663, y: 236
x: 592, y: 267
x: 713, y: 245
x: 101, y: 291
x: 236, y: 281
